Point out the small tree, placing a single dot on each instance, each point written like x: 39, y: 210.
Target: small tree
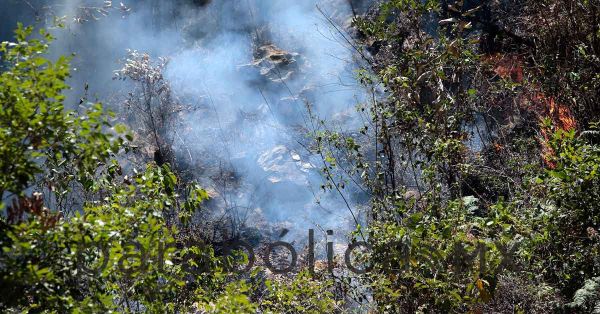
x: 112, y: 253
x: 151, y: 105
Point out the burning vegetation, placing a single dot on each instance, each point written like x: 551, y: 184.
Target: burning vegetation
x: 453, y: 145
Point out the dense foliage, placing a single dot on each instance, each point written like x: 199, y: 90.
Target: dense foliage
x: 481, y: 157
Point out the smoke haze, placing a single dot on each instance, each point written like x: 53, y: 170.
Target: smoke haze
x: 248, y: 68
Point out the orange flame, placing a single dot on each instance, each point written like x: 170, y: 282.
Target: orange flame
x: 511, y: 67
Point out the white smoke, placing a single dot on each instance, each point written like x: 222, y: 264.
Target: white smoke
x: 246, y: 123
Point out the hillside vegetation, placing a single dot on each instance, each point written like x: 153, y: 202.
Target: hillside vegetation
x: 477, y: 162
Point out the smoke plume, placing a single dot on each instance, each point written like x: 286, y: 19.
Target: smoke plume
x: 249, y: 69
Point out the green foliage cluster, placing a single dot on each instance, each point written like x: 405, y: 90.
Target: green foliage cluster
x: 301, y: 295
x: 566, y: 239
x: 41, y: 142
x: 481, y: 161
x: 111, y: 254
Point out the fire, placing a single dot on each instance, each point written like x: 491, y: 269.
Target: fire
x: 561, y: 117
x: 507, y: 66
x: 560, y: 114
x: 510, y: 67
